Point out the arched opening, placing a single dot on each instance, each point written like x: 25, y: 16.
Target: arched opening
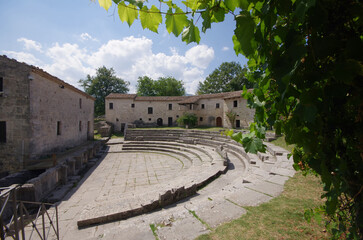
x: 219, y: 122
x: 159, y: 122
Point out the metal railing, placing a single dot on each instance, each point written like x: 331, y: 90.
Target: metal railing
x: 32, y: 219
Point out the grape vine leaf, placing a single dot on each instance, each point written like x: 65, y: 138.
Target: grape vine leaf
x: 127, y: 13
x: 191, y: 33
x: 233, y: 4
x: 106, y: 4
x: 244, y: 32
x: 150, y: 19
x: 176, y: 22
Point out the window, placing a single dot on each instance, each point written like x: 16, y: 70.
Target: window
x: 149, y: 119
x: 80, y: 126
x: 150, y: 110
x: 80, y: 103
x: 110, y: 105
x: 217, y: 105
x: 201, y: 119
x: 203, y: 106
x: 1, y: 84
x: 140, y: 119
x: 2, y: 132
x: 235, y: 103
x: 132, y: 105
x: 59, y: 125
x: 170, y: 106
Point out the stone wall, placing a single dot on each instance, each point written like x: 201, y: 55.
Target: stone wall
x: 60, y: 117
x: 210, y: 109
x: 14, y: 111
x: 122, y: 112
x: 245, y: 115
x: 32, y: 102
x: 208, y: 115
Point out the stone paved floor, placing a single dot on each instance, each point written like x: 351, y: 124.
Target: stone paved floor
x: 121, y: 174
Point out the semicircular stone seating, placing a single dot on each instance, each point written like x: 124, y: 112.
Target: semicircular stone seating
x: 198, y: 158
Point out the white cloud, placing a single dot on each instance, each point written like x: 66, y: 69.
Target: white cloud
x: 130, y: 57
x: 86, y: 36
x: 68, y: 62
x: 23, y: 57
x: 30, y: 44
x: 191, y: 78
x: 225, y: 49
x: 200, y: 56
x: 121, y: 53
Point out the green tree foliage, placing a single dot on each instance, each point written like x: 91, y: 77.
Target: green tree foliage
x: 306, y: 62
x: 101, y: 85
x: 188, y: 120
x: 164, y: 86
x: 229, y: 76
x: 145, y: 86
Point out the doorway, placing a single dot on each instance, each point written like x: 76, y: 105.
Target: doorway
x: 219, y: 122
x: 238, y: 124
x: 170, y: 121
x: 159, y: 122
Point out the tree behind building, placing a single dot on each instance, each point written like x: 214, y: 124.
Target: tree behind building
x: 164, y: 86
x: 101, y: 85
x: 228, y: 77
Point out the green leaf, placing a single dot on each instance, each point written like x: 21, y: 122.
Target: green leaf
x: 106, y: 4
x: 310, y: 112
x: 206, y: 20
x: 176, y: 22
x: 301, y: 8
x: 191, y: 33
x: 233, y: 4
x: 192, y: 4
x: 150, y: 19
x: 244, y: 33
x: 218, y: 15
x: 127, y: 13
x: 253, y: 144
x: 237, y: 137
x: 237, y: 45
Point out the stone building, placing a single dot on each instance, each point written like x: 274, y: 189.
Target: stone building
x: 39, y: 115
x: 210, y: 109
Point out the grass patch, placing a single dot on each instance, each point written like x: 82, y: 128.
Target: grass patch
x: 282, y: 217
x: 280, y: 141
x: 96, y: 135
x: 117, y: 135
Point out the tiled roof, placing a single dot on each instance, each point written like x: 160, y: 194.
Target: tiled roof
x: 179, y: 99
x: 233, y: 94
x: 121, y: 96
x: 190, y: 99
x: 160, y: 98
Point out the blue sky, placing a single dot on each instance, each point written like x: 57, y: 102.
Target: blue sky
x: 72, y: 38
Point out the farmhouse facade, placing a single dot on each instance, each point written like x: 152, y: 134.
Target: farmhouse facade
x: 39, y: 115
x: 211, y: 110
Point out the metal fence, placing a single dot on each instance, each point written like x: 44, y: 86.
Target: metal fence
x: 26, y: 220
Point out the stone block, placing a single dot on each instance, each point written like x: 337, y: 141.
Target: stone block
x: 71, y: 164
x: 27, y: 193
x: 63, y: 174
